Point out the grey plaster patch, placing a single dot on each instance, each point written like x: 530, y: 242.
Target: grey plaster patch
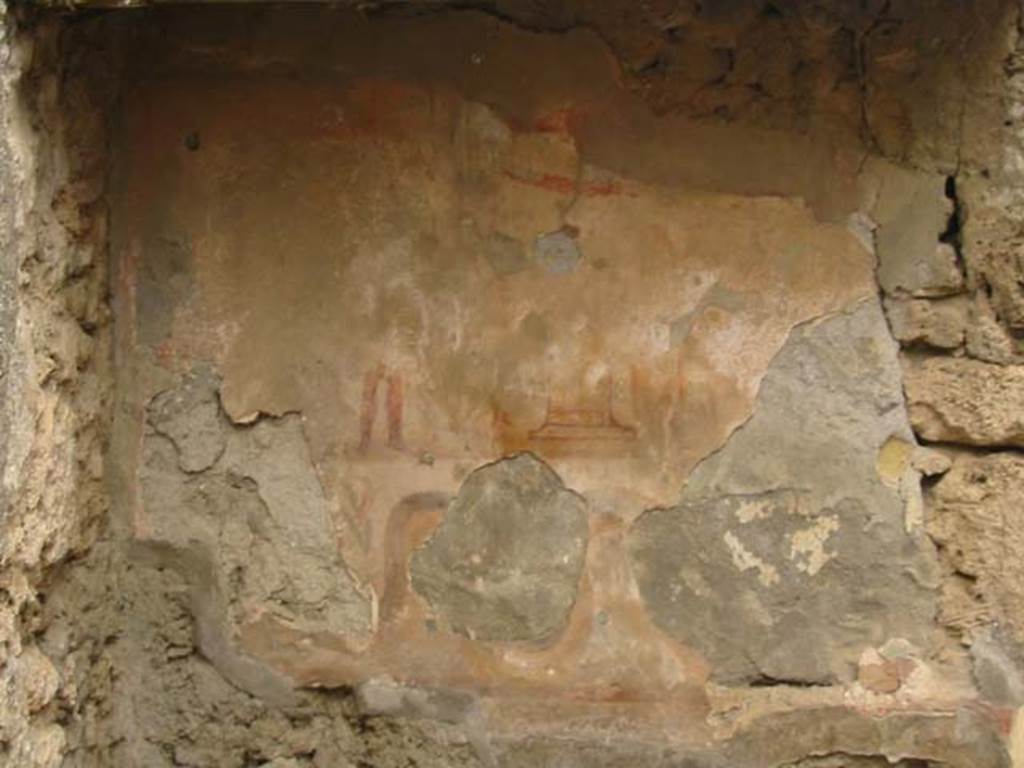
x: 251, y: 495
x: 274, y: 453
x: 557, y: 252
x: 788, y: 554
x: 189, y: 415
x: 295, y: 565
x: 212, y: 632
x: 505, y: 563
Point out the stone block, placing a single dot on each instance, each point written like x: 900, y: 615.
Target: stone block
x: 959, y: 400
x: 935, y: 323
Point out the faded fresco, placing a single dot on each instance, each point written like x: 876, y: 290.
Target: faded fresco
x: 445, y: 361
x: 546, y: 384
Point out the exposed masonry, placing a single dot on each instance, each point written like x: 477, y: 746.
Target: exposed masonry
x: 960, y: 343
x: 236, y: 608
x: 55, y: 367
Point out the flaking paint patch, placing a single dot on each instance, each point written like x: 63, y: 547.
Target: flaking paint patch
x: 749, y: 511
x: 745, y: 560
x: 807, y: 546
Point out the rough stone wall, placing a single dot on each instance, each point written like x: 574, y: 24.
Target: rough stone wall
x: 54, y: 350
x: 962, y: 356
x: 527, y: 380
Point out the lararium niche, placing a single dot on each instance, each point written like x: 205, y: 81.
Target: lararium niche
x: 455, y: 369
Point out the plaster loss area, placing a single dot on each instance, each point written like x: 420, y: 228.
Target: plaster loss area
x: 491, y: 388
